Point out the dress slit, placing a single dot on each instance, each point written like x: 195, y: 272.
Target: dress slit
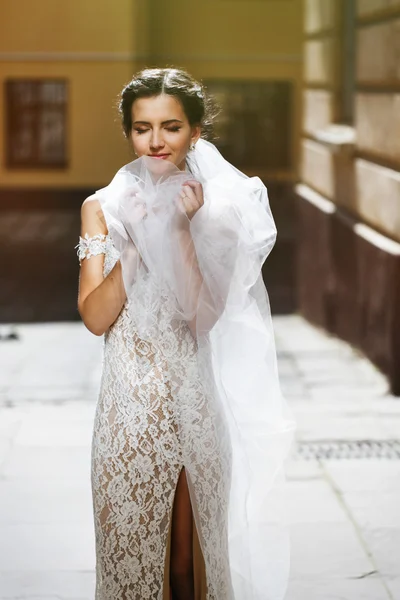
x: 199, y: 571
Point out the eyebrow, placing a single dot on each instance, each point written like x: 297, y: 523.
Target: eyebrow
x: 163, y: 123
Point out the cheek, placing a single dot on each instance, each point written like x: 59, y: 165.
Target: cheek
x: 180, y: 142
x: 139, y: 143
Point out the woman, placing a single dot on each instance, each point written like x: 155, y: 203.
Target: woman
x: 190, y: 426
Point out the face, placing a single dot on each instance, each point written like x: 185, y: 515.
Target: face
x: 161, y: 129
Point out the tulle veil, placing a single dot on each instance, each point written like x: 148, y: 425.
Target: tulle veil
x: 206, y: 274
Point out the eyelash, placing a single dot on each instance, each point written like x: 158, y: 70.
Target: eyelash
x: 171, y: 129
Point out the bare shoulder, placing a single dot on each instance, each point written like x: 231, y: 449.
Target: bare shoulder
x: 92, y: 217
x: 91, y: 207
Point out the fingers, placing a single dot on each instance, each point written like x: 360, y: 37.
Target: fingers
x: 132, y: 206
x: 189, y: 201
x: 193, y: 192
x: 195, y: 187
x: 193, y: 183
x: 188, y: 192
x: 191, y: 198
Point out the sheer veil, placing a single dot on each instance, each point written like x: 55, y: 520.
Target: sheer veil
x: 204, y: 276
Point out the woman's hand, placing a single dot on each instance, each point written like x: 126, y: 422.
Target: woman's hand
x: 191, y: 198
x: 132, y: 208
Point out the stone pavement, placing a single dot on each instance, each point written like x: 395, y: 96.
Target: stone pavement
x: 344, y: 513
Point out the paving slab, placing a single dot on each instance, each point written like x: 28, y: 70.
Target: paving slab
x: 393, y: 584
x: 67, y: 585
x: 40, y: 463
x: 47, y: 546
x: 373, y: 475
x: 324, y: 550
x: 337, y: 589
x: 45, y: 501
x: 313, y: 502
x: 376, y: 508
x: 384, y: 546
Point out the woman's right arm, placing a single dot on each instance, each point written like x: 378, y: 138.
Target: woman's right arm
x: 100, y: 300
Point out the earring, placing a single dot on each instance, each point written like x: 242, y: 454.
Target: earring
x: 192, y: 146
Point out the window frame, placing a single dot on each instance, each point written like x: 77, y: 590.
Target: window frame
x: 34, y: 113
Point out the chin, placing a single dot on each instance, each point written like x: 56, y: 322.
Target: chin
x: 181, y: 162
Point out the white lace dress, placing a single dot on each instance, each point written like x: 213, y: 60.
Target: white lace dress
x: 137, y: 455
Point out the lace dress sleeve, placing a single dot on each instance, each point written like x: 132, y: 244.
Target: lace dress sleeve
x: 91, y: 246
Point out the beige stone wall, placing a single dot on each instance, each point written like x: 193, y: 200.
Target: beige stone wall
x: 317, y: 110
x: 319, y: 16
x: 378, y: 53
x: 349, y: 201
x: 378, y: 197
x: 378, y: 125
x: 365, y: 180
x: 321, y: 20
x: 367, y: 7
x: 317, y: 168
x: 319, y: 56
x: 377, y: 116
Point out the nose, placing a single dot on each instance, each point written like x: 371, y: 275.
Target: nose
x: 156, y: 141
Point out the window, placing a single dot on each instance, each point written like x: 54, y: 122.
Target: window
x: 254, y: 128
x: 36, y: 123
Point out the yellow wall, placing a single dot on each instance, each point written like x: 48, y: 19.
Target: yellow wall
x: 96, y: 147
x: 226, y: 28
x: 75, y: 25
x: 97, y: 45
x: 235, y: 39
x: 92, y: 44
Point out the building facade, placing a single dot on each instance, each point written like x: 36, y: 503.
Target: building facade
x: 61, y: 69
x: 348, y: 200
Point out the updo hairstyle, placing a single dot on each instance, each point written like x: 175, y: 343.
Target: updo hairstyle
x: 199, y: 108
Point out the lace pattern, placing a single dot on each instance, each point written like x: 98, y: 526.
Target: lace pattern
x: 148, y: 389
x: 190, y: 380
x: 95, y: 245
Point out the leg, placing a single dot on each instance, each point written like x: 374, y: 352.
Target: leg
x: 181, y: 560
x: 133, y: 493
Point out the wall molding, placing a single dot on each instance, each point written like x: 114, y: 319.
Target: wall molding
x: 272, y: 58
x: 380, y: 160
x: 376, y: 86
x: 321, y: 34
x: 69, y: 56
x: 133, y: 57
x: 377, y: 17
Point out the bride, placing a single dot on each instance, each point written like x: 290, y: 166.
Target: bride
x: 191, y: 430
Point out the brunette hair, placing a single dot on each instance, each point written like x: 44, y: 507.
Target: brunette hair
x: 199, y: 107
